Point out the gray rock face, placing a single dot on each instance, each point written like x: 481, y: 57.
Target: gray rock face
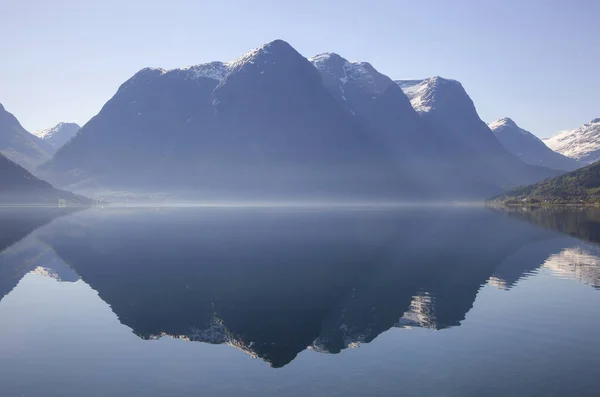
x: 530, y: 148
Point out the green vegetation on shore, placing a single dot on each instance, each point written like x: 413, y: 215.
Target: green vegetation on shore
x: 579, y: 187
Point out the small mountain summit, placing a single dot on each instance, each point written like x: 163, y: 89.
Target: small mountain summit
x: 427, y: 93
x: 344, y: 71
x: 528, y: 147
x: 503, y: 123
x: 58, y: 135
x: 582, y: 144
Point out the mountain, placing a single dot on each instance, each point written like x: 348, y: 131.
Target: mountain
x: 581, y: 186
x: 530, y: 148
x: 262, y: 125
x: 19, y: 145
x: 471, y: 147
x: 273, y: 124
x: 58, y: 135
x: 20, y: 187
x: 379, y: 106
x: 582, y: 144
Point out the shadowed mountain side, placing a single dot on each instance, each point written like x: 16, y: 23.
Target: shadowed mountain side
x: 264, y: 128
x: 20, y: 187
x: 273, y: 125
x: 19, y: 145
x: 472, y: 150
x: 274, y: 282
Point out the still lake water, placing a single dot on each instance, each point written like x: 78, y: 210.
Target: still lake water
x: 450, y: 301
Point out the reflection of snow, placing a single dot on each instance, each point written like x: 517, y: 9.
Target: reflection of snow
x: 215, y: 333
x: 576, y: 263
x: 421, y: 313
x: 497, y: 282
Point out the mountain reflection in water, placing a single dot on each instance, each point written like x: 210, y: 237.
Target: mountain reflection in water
x: 274, y: 282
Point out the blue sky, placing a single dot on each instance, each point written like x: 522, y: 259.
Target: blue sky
x: 537, y: 62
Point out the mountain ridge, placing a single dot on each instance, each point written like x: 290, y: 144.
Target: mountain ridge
x: 582, y: 144
x: 529, y: 147
x: 273, y: 123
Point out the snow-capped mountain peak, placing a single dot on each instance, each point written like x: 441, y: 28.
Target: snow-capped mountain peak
x: 50, y: 132
x: 218, y: 70
x: 507, y: 125
x: 582, y: 143
x: 501, y: 123
x: 212, y: 70
x: 529, y: 147
x: 58, y: 135
x: 344, y: 71
x: 423, y: 93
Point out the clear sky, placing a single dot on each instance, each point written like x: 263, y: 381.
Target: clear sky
x: 536, y: 61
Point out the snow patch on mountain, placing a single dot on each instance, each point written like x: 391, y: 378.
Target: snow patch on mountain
x: 213, y: 70
x: 59, y: 134
x: 345, y: 71
x: 505, y: 124
x: 50, y: 133
x: 216, y: 70
x: 422, y: 93
x: 582, y: 143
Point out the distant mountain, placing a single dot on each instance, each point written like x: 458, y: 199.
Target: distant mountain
x: 19, y: 145
x: 273, y: 124
x: 472, y: 147
x: 530, y: 148
x: 58, y: 135
x: 20, y: 187
x: 582, y: 144
x: 581, y: 186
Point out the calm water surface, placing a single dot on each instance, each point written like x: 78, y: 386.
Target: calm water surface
x: 300, y: 302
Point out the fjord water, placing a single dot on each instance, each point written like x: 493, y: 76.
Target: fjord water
x: 433, y: 301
